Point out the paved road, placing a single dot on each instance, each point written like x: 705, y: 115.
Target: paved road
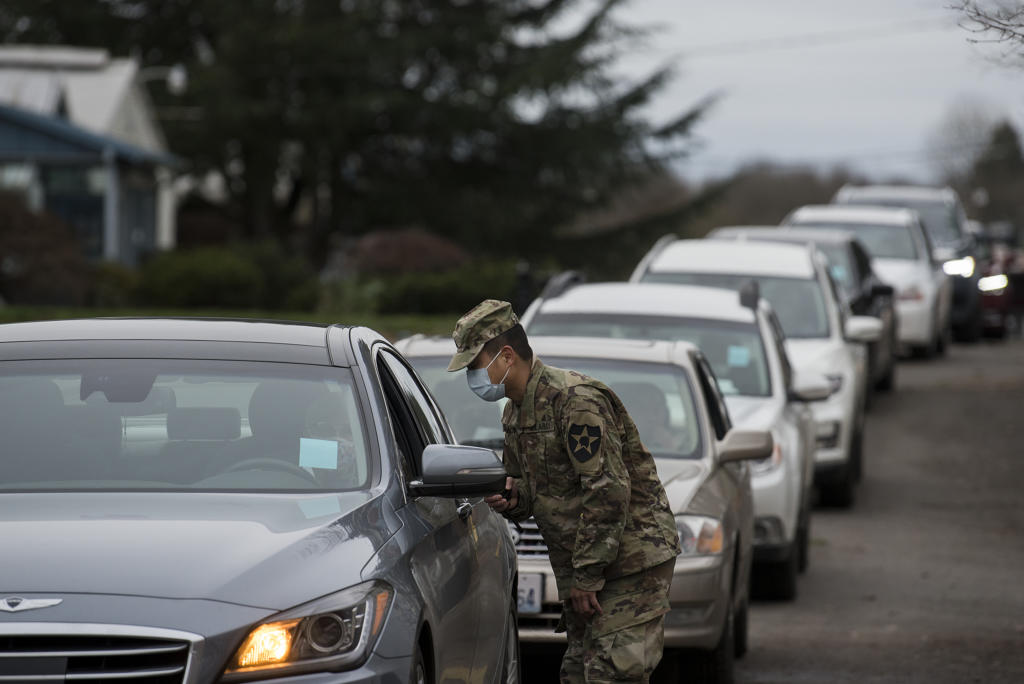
x: 923, y: 580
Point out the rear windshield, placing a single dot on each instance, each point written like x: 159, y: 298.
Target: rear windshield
x: 132, y: 424
x: 735, y: 349
x: 881, y: 242
x: 798, y: 302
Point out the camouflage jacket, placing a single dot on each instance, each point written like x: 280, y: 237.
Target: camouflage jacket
x: 584, y: 476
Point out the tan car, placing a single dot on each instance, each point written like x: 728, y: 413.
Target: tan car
x: 673, y: 396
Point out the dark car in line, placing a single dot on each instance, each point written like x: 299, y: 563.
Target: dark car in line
x: 863, y: 292
x: 194, y: 501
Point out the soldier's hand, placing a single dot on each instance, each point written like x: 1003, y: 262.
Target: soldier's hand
x: 585, y: 602
x: 499, y: 503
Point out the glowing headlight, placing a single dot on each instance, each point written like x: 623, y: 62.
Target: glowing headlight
x: 333, y: 632
x: 993, y: 284
x: 699, y: 535
x: 960, y: 267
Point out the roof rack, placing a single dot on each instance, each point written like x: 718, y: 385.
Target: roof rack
x: 560, y: 282
x: 662, y: 242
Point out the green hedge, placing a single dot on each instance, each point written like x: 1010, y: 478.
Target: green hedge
x: 246, y: 277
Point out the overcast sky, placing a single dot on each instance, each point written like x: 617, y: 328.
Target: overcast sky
x: 862, y: 82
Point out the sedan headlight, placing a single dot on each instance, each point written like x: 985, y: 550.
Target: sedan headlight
x: 835, y: 382
x: 994, y: 284
x: 699, y: 535
x: 332, y: 633
x: 959, y: 267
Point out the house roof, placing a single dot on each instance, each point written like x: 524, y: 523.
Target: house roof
x: 30, y: 135
x: 84, y: 85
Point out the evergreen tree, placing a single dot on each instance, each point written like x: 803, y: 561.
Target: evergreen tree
x: 475, y: 119
x: 999, y: 171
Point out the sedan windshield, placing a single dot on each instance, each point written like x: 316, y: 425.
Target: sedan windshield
x: 881, y: 242
x: 131, y: 424
x: 658, y: 397
x: 798, y: 302
x: 734, y: 349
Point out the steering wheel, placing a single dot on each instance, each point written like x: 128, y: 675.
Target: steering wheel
x: 272, y: 464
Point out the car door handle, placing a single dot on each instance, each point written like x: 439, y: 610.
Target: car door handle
x: 464, y: 510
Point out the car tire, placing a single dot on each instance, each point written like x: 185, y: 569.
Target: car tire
x: 510, y: 663
x: 420, y: 672
x: 803, y: 545
x: 887, y: 383
x: 776, y: 580
x: 971, y: 332
x: 839, y: 493
x: 714, y: 666
x: 741, y: 630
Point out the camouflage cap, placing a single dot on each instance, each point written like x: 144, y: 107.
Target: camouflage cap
x: 480, y: 325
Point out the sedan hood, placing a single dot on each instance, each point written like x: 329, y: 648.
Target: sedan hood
x: 818, y: 356
x: 267, y: 551
x: 681, y: 479
x: 900, y: 273
x: 751, y: 413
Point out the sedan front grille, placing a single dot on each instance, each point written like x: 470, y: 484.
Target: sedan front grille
x: 26, y: 658
x: 528, y: 540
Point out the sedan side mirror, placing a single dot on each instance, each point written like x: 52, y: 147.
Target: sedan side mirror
x: 882, y: 290
x: 454, y: 470
x: 809, y: 386
x: 863, y: 329
x: 745, y: 445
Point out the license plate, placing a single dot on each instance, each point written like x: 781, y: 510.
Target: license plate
x: 531, y: 593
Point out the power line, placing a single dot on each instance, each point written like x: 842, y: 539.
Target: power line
x: 819, y: 39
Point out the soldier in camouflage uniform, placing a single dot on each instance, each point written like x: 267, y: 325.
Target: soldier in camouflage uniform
x: 577, y: 466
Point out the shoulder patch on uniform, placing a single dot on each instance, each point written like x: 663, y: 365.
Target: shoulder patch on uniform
x: 584, y: 441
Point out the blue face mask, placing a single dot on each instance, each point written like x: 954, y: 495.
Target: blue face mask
x: 482, y: 386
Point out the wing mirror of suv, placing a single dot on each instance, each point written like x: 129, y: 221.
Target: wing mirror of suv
x: 863, y: 329
x: 809, y: 386
x: 454, y: 470
x: 745, y: 445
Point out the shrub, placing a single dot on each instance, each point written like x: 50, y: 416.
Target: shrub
x: 205, y: 277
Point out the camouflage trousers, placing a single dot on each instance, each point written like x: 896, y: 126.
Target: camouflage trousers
x: 624, y: 644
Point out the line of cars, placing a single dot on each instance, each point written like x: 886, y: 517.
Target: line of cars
x: 784, y: 330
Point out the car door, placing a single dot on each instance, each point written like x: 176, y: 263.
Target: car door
x: 445, y: 564
x: 797, y: 412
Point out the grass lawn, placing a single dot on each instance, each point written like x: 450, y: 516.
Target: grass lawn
x: 392, y: 326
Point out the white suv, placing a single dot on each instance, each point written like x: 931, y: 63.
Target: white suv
x: 743, y: 341
x: 821, y: 336
x: 901, y: 253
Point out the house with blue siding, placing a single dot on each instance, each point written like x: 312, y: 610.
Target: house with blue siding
x: 79, y: 138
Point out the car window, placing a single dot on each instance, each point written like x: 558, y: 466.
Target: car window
x: 658, y: 397
x: 841, y: 266
x: 735, y: 348
x: 881, y: 241
x: 717, y: 410
x: 799, y: 302
x: 428, y: 425
x: 780, y: 345
x: 174, y: 424
x: 474, y: 421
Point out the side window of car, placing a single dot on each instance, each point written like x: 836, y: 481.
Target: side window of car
x: 429, y: 426
x: 779, y: 338
x: 717, y: 411
x: 407, y: 435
